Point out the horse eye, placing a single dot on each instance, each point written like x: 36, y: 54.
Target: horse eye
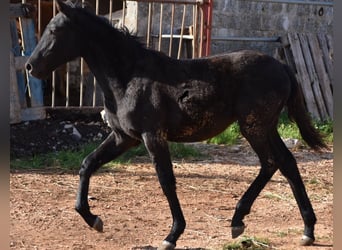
x: 53, y: 31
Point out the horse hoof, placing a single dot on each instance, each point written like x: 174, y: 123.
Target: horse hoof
x: 98, y: 225
x: 306, y: 241
x: 236, y: 231
x: 166, y: 246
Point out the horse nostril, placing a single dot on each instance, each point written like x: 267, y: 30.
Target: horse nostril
x: 28, y: 67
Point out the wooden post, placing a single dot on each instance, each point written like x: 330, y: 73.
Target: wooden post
x: 15, y: 110
x: 207, y: 9
x: 29, y: 43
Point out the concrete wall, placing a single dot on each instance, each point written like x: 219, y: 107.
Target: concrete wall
x: 247, y: 18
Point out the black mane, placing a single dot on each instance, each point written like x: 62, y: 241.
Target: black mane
x: 101, y: 23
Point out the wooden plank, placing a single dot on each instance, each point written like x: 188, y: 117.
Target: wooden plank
x: 16, y: 49
x: 322, y: 74
x: 302, y: 74
x: 22, y: 10
x: 325, y: 43
x: 313, y: 76
x: 29, y: 43
x: 35, y: 113
x: 15, y: 110
x: 19, y: 62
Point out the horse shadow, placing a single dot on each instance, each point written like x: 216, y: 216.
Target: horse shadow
x: 155, y: 248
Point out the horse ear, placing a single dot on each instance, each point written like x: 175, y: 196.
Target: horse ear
x: 63, y: 7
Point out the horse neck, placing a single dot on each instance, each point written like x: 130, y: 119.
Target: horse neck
x: 111, y: 58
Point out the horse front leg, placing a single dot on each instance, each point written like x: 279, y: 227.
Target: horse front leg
x: 114, y: 145
x: 159, y: 153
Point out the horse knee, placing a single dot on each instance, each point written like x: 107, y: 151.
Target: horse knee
x: 88, y: 166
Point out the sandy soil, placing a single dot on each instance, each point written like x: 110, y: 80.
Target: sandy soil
x: 136, y: 216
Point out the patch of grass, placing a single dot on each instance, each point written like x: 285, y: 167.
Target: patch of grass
x: 273, y: 196
x: 286, y: 129
x: 314, y: 181
x: 250, y: 243
x: 67, y: 160
x: 229, y: 137
x: 293, y: 231
x: 72, y: 159
x: 177, y: 151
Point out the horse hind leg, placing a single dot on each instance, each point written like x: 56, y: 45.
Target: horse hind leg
x: 262, y: 148
x: 288, y: 167
x: 112, y: 147
x: 273, y: 154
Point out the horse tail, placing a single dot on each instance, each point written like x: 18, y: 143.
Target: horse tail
x: 297, y: 112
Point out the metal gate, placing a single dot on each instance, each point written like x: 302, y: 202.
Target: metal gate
x: 179, y: 28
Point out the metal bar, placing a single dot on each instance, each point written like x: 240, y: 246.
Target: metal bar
x: 194, y: 31
x: 110, y: 11
x: 201, y: 33
x: 149, y: 24
x: 252, y: 39
x: 81, y: 75
x: 182, y: 33
x: 123, y: 13
x: 297, y: 2
x: 188, y: 37
x: 39, y: 28
x: 81, y: 81
x: 53, y: 79
x: 67, y: 87
x: 171, y: 28
x: 160, y: 26
x: 95, y: 82
x: 173, y: 1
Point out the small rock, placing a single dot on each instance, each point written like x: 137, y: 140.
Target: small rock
x: 291, y: 143
x: 68, y: 126
x: 76, y: 134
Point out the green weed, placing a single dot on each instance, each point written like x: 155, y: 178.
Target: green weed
x: 250, y: 243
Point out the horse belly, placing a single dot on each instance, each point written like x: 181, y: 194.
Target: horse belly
x: 200, y: 127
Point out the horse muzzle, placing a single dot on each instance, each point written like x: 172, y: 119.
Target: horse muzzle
x: 35, y: 70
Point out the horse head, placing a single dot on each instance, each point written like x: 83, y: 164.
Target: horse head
x: 59, y: 43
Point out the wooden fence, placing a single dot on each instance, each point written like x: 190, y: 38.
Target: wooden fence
x: 26, y: 92
x: 311, y: 57
x: 72, y: 85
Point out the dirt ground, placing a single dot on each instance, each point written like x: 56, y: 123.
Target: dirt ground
x: 135, y: 212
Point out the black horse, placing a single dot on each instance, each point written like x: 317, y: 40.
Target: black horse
x: 151, y: 99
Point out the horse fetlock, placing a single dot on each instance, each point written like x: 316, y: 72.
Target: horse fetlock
x: 166, y: 246
x: 98, y: 224
x: 237, y: 231
x: 306, y: 241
